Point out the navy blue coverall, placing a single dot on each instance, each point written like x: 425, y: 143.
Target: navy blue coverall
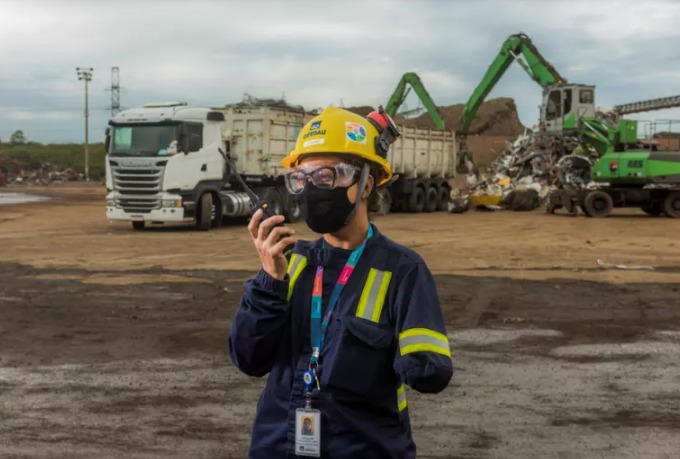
x: 386, y: 332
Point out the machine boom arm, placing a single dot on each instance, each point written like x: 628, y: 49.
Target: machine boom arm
x: 400, y: 93
x: 514, y: 48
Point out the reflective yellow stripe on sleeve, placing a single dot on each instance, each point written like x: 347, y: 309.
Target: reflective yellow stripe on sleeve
x: 401, y: 398
x: 373, y: 296
x: 423, y: 340
x: 295, y: 266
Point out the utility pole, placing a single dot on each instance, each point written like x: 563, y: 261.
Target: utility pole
x: 85, y: 74
x: 115, y: 91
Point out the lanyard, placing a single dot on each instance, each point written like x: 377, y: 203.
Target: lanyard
x: 318, y: 327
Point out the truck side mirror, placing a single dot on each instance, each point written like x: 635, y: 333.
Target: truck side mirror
x: 107, y: 140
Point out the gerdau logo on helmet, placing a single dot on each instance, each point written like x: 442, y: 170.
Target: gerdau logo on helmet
x: 339, y: 133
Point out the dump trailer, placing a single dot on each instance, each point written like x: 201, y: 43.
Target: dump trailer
x: 424, y: 161
x: 164, y: 165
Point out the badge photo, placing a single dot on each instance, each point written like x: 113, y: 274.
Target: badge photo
x: 307, y: 432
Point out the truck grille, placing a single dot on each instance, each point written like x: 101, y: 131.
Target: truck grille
x: 138, y: 189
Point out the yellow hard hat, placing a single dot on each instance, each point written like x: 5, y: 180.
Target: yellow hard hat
x: 337, y: 131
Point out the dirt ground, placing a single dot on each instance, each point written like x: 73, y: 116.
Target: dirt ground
x: 113, y: 342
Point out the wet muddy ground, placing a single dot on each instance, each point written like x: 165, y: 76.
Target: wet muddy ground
x: 99, y: 358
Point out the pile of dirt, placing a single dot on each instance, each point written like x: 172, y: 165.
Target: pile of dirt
x: 362, y: 110
x: 495, y: 117
x: 14, y: 172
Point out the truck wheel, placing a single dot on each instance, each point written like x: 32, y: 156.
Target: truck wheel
x: 598, y: 204
x: 204, y: 217
x: 654, y: 209
x: 138, y: 226
x: 671, y: 205
x: 416, y: 201
x: 431, y: 199
x: 443, y: 196
x: 217, y: 215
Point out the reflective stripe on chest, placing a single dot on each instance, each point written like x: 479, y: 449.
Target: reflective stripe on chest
x: 295, y: 266
x: 373, y: 296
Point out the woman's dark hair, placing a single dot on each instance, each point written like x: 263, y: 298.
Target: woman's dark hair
x: 373, y: 201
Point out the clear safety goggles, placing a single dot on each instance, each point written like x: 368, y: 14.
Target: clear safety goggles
x: 324, y: 177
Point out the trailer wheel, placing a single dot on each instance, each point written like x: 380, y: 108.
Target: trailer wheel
x: 443, y: 196
x: 138, y: 226
x: 205, y: 216
x: 598, y: 204
x: 431, y: 198
x: 671, y: 205
x: 416, y: 201
x: 654, y: 209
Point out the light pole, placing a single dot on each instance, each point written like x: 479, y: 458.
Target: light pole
x: 85, y: 74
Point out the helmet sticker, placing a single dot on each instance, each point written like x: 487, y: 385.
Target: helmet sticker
x: 314, y: 130
x: 309, y: 143
x: 356, y: 132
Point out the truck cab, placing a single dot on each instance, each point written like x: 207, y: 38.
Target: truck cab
x: 160, y: 159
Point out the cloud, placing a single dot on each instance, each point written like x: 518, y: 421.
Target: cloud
x: 23, y: 115
x: 351, y: 52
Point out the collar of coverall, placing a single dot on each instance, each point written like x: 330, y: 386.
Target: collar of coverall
x: 318, y: 256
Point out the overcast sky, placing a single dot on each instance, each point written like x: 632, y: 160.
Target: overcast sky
x: 317, y: 53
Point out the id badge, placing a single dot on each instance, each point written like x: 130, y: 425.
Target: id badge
x: 308, y: 432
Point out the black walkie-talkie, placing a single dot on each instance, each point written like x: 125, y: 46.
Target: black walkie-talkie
x: 255, y: 200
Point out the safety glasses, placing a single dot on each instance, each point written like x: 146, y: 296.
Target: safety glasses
x: 325, y: 177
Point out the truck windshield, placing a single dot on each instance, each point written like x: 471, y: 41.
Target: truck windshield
x: 144, y: 140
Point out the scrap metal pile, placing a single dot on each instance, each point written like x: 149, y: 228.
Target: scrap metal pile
x: 522, y: 177
x: 17, y: 173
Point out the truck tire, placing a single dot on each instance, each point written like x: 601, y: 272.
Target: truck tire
x: 671, y: 205
x: 138, y: 226
x: 431, y: 198
x: 525, y: 201
x: 653, y: 209
x: 217, y: 214
x: 205, y: 210
x: 443, y: 197
x: 292, y: 213
x: 416, y: 201
x: 598, y: 204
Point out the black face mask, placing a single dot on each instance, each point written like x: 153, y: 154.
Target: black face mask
x: 325, y: 211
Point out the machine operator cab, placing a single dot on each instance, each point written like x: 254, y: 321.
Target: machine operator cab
x: 564, y: 105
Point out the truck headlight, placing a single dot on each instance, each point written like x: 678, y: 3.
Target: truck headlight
x: 173, y: 203
x: 111, y: 203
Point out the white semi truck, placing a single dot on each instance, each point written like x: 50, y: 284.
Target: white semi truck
x: 163, y: 164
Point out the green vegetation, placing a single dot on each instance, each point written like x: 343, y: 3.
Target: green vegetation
x: 69, y: 155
